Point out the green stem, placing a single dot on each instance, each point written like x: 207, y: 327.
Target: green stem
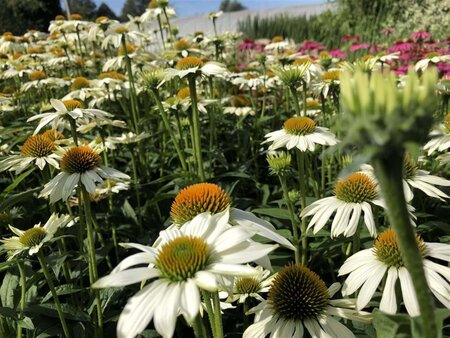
x: 93, y: 276
x: 294, y: 221
x: 305, y: 93
x: 388, y: 170
x: 23, y: 289
x: 207, y: 299
x: 199, y: 327
x: 196, y: 127
x: 73, y: 129
x: 295, y: 100
x: 133, y: 97
x: 302, y: 178
x: 217, y: 316
x: 51, y: 286
x: 169, y: 130
x: 158, y: 17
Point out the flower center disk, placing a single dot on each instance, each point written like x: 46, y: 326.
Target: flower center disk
x: 72, y: 104
x: 297, y: 293
x: 247, y: 285
x: 79, y: 160
x: 33, y: 236
x: 189, y: 62
x: 37, y: 146
x: 196, y: 199
x: 387, y: 250
x: 299, y: 125
x: 356, y: 188
x: 182, y: 257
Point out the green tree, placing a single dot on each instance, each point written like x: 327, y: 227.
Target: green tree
x: 86, y: 8
x: 141, y: 5
x: 231, y: 6
x: 129, y: 8
x: 105, y: 10
x: 18, y: 16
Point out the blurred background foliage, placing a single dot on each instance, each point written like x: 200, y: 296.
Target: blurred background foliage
x: 366, y: 18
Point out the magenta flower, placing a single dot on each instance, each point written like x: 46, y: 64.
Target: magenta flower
x: 358, y: 46
x: 388, y: 31
x: 420, y: 36
x: 338, y: 53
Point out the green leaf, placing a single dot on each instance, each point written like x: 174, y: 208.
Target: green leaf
x: 128, y: 211
x: 440, y: 315
x: 15, y: 183
x: 70, y: 312
x: 273, y: 212
x: 16, y: 198
x: 7, y: 312
x: 391, y: 326
x: 10, y: 283
x: 65, y: 289
x: 26, y: 323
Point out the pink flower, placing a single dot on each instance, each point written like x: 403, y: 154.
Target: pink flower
x: 347, y: 38
x: 312, y: 45
x: 420, y: 36
x: 401, y: 70
x: 388, y: 31
x: 358, y: 46
x: 337, y: 53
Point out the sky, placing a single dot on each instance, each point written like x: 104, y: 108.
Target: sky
x: 194, y: 7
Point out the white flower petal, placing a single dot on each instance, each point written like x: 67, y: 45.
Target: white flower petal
x: 126, y: 277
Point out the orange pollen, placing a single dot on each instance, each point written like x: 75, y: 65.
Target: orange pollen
x: 183, y: 93
x: 196, y: 199
x: 79, y: 160
x: 189, y: 62
x: 75, y: 16
x: 35, y: 50
x: 72, y: 104
x: 356, y: 188
x: 37, y: 75
x: 53, y: 135
x: 37, y: 146
x: 182, y: 44
x: 121, y: 30
x: 79, y: 82
x: 277, y: 38
x: 112, y: 75
x: 101, y: 19
x: 331, y: 75
x: 240, y: 101
x: 300, y: 125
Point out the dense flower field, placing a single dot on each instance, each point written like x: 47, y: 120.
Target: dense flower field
x: 155, y: 184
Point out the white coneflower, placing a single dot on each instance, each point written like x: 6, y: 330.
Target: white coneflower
x: 79, y: 165
x: 302, y: 133
x: 65, y: 109
x: 203, y: 197
x: 187, y: 260
x: 368, y: 268
x: 196, y: 66
x: 353, y: 196
x: 252, y: 286
x: 38, y: 149
x: 440, y: 137
x: 413, y: 177
x: 299, y: 301
x: 33, y: 239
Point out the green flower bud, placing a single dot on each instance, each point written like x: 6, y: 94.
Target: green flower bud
x: 151, y: 78
x: 383, y: 117
x: 279, y: 163
x: 293, y: 75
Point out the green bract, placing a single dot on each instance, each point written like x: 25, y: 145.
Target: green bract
x: 380, y: 114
